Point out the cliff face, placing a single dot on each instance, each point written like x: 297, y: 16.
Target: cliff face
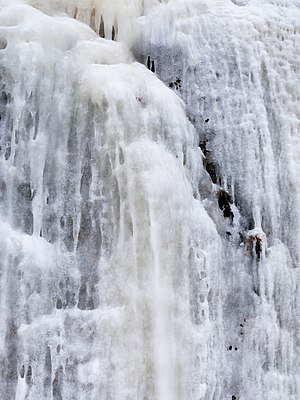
x: 149, y: 200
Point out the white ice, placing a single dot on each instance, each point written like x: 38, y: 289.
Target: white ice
x: 133, y: 265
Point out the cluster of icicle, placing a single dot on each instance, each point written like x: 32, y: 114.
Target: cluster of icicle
x: 149, y: 200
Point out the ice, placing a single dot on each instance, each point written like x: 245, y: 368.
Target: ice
x: 149, y: 199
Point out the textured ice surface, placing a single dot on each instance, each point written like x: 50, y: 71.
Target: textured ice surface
x: 133, y: 265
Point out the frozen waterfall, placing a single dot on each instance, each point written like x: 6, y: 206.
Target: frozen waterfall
x: 150, y: 199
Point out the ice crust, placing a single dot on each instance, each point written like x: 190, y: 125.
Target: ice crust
x: 149, y: 221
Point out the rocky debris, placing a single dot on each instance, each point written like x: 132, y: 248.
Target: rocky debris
x: 224, y: 201
x: 256, y: 243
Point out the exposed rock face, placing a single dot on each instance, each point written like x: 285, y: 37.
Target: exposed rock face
x: 149, y: 200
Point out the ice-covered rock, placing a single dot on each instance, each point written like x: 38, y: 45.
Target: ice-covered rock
x: 147, y: 148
